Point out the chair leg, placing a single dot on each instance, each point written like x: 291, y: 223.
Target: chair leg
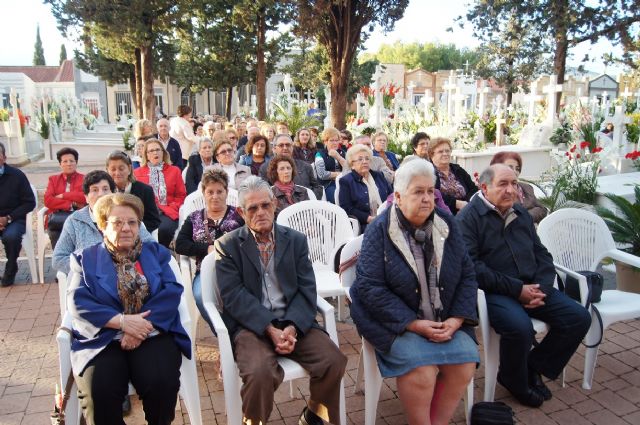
x: 468, y: 402
x: 360, y: 372
x: 591, y: 354
x: 190, y: 390
x: 373, y: 383
x: 491, y: 363
x: 42, y: 244
x: 27, y: 245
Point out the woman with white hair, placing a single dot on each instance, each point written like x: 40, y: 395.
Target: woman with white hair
x: 414, y: 299
x: 198, y: 164
x: 362, y: 190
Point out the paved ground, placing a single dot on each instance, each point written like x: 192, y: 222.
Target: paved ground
x: 29, y: 316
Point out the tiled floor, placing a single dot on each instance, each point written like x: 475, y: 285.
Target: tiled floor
x: 29, y: 316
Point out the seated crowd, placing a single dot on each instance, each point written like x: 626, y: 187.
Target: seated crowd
x: 432, y: 237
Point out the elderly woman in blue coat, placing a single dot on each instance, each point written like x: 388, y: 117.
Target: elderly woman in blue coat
x: 123, y: 298
x: 362, y: 190
x: 414, y: 299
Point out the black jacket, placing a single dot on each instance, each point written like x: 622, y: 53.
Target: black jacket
x: 465, y: 180
x: 16, y: 196
x: 151, y: 218
x: 505, y: 258
x: 194, y: 173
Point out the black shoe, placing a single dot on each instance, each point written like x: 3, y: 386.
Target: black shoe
x: 8, y: 279
x: 126, y: 405
x: 530, y: 397
x: 309, y: 418
x: 535, y: 381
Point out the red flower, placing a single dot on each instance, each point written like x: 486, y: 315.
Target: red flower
x: 597, y: 149
x: 475, y: 174
x: 584, y: 145
x: 573, y: 148
x: 633, y: 155
x: 578, y: 156
x: 566, y: 154
x: 569, y: 155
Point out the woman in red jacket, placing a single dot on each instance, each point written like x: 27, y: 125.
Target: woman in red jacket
x: 64, y: 193
x: 167, y: 184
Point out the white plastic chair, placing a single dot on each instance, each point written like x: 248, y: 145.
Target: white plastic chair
x: 311, y: 195
x: 579, y: 240
x: 232, y: 197
x: 43, y: 239
x: 327, y: 228
x: 230, y: 374
x: 367, y: 362
x: 184, y: 174
x: 189, y: 387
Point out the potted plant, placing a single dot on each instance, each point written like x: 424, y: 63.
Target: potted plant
x: 624, y: 224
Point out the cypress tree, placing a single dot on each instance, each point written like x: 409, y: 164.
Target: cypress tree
x: 63, y: 53
x: 38, y: 54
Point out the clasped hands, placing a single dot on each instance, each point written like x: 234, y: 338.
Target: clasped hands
x: 284, y: 340
x: 135, y: 328
x: 436, y: 331
x: 531, y: 296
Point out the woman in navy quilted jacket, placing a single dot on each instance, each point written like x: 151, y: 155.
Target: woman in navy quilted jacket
x: 414, y: 299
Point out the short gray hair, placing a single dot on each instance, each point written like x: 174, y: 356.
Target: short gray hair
x: 281, y: 136
x: 486, y: 177
x: 205, y: 140
x: 250, y: 185
x: 411, y: 169
x: 355, y: 150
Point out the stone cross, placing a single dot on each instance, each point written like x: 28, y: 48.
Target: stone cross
x: 551, y: 91
x: 638, y: 96
x: 123, y: 106
x: 619, y: 128
x: 287, y: 90
x: 482, y: 103
x: 626, y: 94
x: 377, y: 75
x: 459, y: 99
x: 594, y: 105
x: 533, y: 97
x: 13, y: 99
x: 605, y: 103
x: 500, y: 122
x: 449, y: 87
x: 358, y: 105
x: 427, y: 100
x: 410, y: 88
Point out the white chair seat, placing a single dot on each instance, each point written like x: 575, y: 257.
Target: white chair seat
x: 618, y: 305
x: 327, y: 283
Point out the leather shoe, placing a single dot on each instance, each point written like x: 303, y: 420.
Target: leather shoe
x: 535, y: 381
x: 8, y: 279
x: 309, y: 418
x: 530, y: 397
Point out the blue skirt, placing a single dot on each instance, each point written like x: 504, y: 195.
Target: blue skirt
x: 411, y: 350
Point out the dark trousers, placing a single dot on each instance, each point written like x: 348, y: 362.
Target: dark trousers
x: 568, y: 322
x: 54, y: 235
x: 261, y: 375
x: 166, y: 230
x: 154, y: 370
x: 12, y: 241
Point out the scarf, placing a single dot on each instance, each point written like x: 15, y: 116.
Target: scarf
x: 374, y: 194
x: 133, y: 288
x: 287, y: 189
x: 156, y: 181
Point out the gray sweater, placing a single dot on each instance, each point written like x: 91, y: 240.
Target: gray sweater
x: 80, y: 232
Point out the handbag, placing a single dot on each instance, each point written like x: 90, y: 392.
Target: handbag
x: 595, y: 283
x: 57, y: 219
x: 491, y: 413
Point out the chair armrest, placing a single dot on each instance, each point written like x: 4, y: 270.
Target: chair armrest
x: 582, y: 281
x: 326, y: 310
x: 355, y: 225
x: 624, y: 257
x: 222, y: 333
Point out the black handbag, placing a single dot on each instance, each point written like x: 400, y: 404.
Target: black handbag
x: 491, y: 413
x: 57, y: 219
x: 595, y: 283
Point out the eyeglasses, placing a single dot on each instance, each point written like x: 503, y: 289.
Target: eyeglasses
x: 263, y: 206
x: 154, y: 150
x: 423, y: 144
x: 225, y: 152
x: 283, y: 145
x: 232, y: 138
x: 362, y: 159
x: 333, y: 140
x: 119, y: 224
x: 443, y: 152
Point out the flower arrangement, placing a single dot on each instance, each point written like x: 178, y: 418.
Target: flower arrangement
x: 389, y: 92
x: 4, y: 114
x: 369, y: 94
x: 466, y: 136
x: 635, y: 158
x: 633, y: 128
x: 562, y: 134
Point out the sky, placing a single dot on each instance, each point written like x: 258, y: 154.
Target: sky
x: 423, y: 21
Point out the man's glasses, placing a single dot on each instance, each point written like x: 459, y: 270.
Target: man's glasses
x: 225, y: 152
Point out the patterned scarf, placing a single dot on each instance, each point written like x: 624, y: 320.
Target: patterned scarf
x: 156, y: 181
x: 133, y: 288
x: 287, y: 189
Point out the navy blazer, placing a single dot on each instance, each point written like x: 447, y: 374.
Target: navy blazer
x: 194, y: 173
x: 93, y: 300
x: 175, y: 153
x: 354, y: 194
x: 239, y: 276
x: 151, y: 218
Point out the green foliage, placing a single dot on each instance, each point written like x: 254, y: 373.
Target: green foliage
x: 562, y: 134
x: 44, y: 127
x: 489, y: 128
x: 127, y: 141
x: 624, y: 220
x: 38, y: 51
x: 4, y: 114
x: 295, y: 120
x: 590, y: 131
x: 63, y: 53
x: 633, y: 128
x: 428, y: 56
x: 309, y: 67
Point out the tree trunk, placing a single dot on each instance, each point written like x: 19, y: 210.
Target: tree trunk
x: 509, y: 96
x: 134, y: 90
x: 261, y: 79
x: 148, y: 96
x: 138, y: 72
x: 560, y: 11
x: 227, y: 108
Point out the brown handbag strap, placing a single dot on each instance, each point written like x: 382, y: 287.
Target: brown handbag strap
x: 68, y: 385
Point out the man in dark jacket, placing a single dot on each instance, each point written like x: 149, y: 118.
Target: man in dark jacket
x: 16, y: 202
x: 268, y: 293
x: 517, y: 274
x: 283, y: 145
x: 170, y: 144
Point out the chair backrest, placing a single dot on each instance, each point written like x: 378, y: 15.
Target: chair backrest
x: 352, y: 248
x: 35, y: 195
x: 184, y: 175
x: 193, y: 202
x: 232, y: 197
x: 312, y: 196
x: 326, y: 226
x: 576, y: 238
x: 208, y: 281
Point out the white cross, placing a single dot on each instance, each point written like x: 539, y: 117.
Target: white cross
x: 551, y: 91
x: 450, y: 86
x: 605, y: 102
x: 500, y: 122
x: 427, y: 100
x: 410, y: 88
x: 533, y: 97
x: 619, y: 128
x: 123, y: 106
x: 482, y: 104
x: 459, y: 99
x: 626, y: 94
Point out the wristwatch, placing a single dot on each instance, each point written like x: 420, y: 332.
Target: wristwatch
x: 9, y: 219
